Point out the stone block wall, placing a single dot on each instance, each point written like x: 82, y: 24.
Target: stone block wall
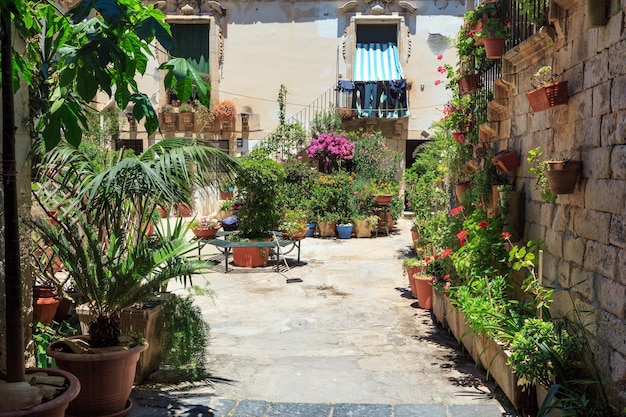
x: 585, y: 232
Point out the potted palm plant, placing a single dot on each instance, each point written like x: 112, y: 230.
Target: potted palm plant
x: 113, y: 274
x: 113, y: 263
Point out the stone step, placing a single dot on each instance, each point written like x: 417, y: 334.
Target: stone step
x: 163, y: 405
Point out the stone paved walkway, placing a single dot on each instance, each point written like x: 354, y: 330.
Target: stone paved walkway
x: 349, y: 340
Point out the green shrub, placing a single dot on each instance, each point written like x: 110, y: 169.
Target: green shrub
x: 186, y: 338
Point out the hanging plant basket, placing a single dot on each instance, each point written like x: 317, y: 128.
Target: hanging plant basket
x: 506, y: 160
x: 562, y: 175
x: 548, y: 96
x: 494, y: 47
x: 469, y: 84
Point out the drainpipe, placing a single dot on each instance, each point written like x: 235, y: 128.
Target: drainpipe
x: 469, y: 5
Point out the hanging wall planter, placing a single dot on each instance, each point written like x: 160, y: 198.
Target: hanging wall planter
x: 494, y: 47
x: 562, y: 175
x: 506, y: 160
x: 548, y: 96
x: 469, y: 84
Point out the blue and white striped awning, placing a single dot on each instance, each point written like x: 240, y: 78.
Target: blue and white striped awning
x: 377, y: 62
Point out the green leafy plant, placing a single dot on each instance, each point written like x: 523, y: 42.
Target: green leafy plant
x: 186, y: 338
x: 534, y: 349
x: 534, y: 12
x: 543, y: 77
x: 536, y: 168
x: 481, y: 247
x: 373, y: 158
x: 494, y: 27
x: 293, y: 222
x: 326, y: 121
x: 333, y: 198
x: 259, y: 184
x: 288, y: 138
x: 44, y: 335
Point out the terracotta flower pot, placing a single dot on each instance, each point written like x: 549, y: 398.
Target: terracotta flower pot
x: 506, y: 160
x: 296, y: 236
x: 469, y: 84
x: 383, y: 200
x: 55, y: 407
x: 45, y: 304
x: 106, y: 379
x: 226, y: 195
x: 458, y: 136
x: 424, y: 289
x: 162, y: 212
x: 205, y: 233
x: 250, y: 257
x: 461, y: 188
x: 411, y: 271
x: 183, y: 210
x: 494, y: 47
x: 548, y: 96
x: 563, y: 176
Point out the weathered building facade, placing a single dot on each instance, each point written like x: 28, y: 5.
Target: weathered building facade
x: 249, y: 49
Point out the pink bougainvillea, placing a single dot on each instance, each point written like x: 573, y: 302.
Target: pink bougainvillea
x: 330, y: 147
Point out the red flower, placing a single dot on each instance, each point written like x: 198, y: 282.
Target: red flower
x: 459, y: 138
x: 427, y: 260
x: 456, y: 210
x: 472, y: 32
x: 446, y: 252
x: 446, y: 277
x: 441, y: 69
x: 483, y: 224
x: 462, y: 236
x: 440, y: 57
x: 437, y: 82
x: 435, y: 257
x: 506, y: 235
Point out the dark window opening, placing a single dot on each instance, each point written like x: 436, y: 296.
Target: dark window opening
x: 191, y: 41
x: 136, y: 145
x: 377, y: 34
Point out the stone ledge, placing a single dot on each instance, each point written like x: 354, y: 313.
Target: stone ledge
x: 532, y: 49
